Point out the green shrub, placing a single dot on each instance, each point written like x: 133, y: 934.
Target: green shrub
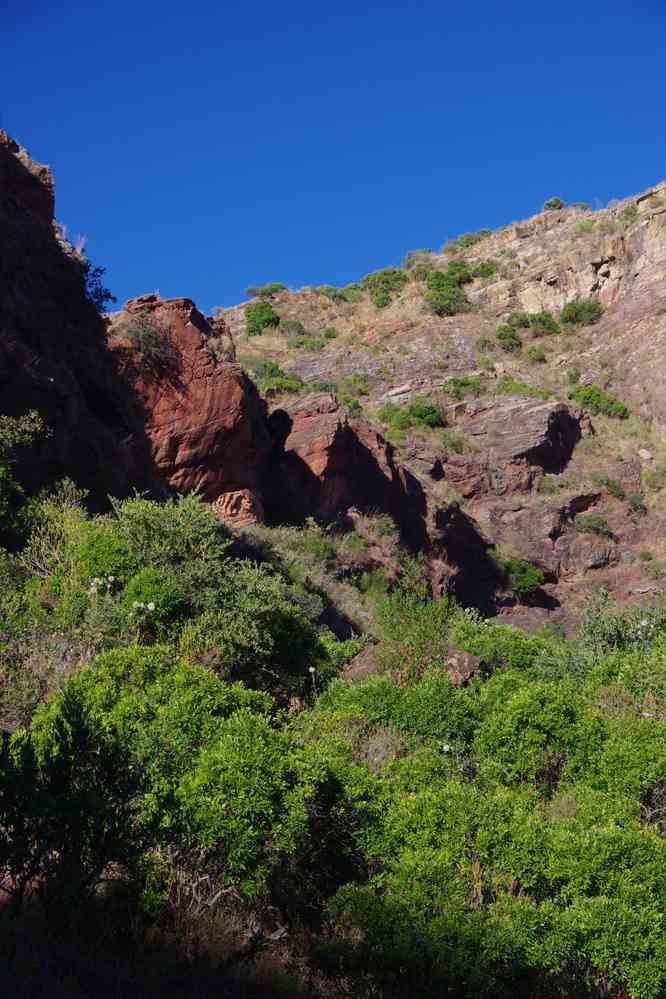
x: 352, y: 292
x: 454, y: 440
x: 485, y: 345
x: 536, y: 354
x: 15, y: 432
x: 543, y: 322
x: 521, y: 575
x: 458, y: 388
x: 645, y: 556
x: 582, y: 310
x: 444, y: 295
x: 509, y: 340
x: 266, y: 290
x: 593, y: 523
x: 270, y: 377
x: 260, y: 316
x: 554, y: 203
x: 518, y: 320
x: 484, y: 269
x: 309, y: 342
x: 629, y: 214
x: 384, y: 284
x: 414, y: 631
x: 512, y: 386
x: 68, y: 807
x: 594, y: 398
x: 154, y: 601
x: 417, y: 413
x: 418, y: 262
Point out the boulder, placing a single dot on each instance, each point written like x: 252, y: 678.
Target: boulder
x: 461, y: 666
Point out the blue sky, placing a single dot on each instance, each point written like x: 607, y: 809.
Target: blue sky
x: 203, y: 147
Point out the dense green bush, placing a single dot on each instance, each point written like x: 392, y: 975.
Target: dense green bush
x: 270, y: 377
x: 444, y: 289
x: 584, y: 311
x: 15, y: 432
x: 484, y: 269
x: 384, y: 284
x: 260, y: 316
x: 417, y: 413
x: 521, y: 575
x: 509, y: 340
x: 502, y: 838
x: 594, y: 398
x: 554, y: 203
x: 538, y: 322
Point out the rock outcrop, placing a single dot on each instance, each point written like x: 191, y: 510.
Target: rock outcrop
x: 328, y: 462
x: 53, y: 355
x: 205, y: 423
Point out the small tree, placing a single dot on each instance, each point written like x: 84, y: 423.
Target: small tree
x: 260, y: 316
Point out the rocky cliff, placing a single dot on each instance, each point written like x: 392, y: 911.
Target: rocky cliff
x: 156, y: 396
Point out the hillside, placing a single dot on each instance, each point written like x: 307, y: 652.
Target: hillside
x: 505, y: 457
x: 332, y: 629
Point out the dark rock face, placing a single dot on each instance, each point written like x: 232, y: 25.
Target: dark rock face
x: 52, y: 343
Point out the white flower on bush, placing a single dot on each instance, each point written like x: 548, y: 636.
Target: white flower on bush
x: 151, y: 606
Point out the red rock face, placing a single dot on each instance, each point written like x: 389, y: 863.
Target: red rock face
x: 205, y: 421
x: 328, y: 463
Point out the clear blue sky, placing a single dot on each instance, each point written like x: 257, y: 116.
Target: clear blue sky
x: 203, y: 146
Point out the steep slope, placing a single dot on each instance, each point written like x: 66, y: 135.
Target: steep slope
x: 483, y: 441
x: 518, y: 457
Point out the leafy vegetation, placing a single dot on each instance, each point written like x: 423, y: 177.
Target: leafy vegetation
x: 15, y: 432
x: 419, y: 413
x: 508, y: 339
x: 445, y: 295
x: 597, y: 400
x: 512, y: 386
x: 383, y: 285
x: 500, y: 837
x: 459, y: 388
x: 266, y: 290
x: 582, y: 311
x: 554, y: 203
x: 260, y: 316
x: 484, y: 269
x: 521, y: 575
x: 593, y: 523
x: 270, y: 377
